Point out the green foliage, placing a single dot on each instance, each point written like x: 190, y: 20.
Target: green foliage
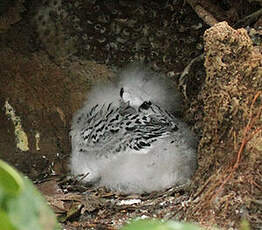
x: 171, y: 225
x: 11, y: 182
x: 21, y: 205
x: 244, y: 225
x: 159, y: 225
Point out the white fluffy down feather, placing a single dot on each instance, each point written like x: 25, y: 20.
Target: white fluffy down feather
x: 140, y: 84
x: 138, y: 151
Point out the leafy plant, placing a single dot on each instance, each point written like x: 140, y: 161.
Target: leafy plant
x: 21, y: 205
x: 160, y: 225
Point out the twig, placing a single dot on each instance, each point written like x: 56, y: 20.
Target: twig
x: 182, y: 78
x: 245, y: 140
x: 248, y: 20
x: 207, y: 17
x: 202, y: 188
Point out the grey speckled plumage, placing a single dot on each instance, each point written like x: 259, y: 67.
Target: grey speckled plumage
x: 132, y: 144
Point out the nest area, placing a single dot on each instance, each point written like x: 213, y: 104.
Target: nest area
x: 44, y: 84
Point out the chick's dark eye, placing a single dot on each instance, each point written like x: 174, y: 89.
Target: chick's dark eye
x: 145, y: 105
x: 121, y: 92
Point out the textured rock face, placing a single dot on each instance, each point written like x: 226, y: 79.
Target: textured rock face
x: 37, y: 100
x: 10, y: 13
x: 231, y: 105
x: 233, y: 69
x: 130, y: 144
x: 117, y: 32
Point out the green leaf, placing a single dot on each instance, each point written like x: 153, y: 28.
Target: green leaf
x: 5, y: 222
x: 22, y: 207
x: 159, y: 225
x: 244, y: 225
x: 11, y: 182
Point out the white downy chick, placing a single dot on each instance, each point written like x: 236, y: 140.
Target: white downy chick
x: 140, y: 84
x: 133, y: 145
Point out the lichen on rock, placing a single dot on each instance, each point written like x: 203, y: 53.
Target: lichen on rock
x: 21, y: 137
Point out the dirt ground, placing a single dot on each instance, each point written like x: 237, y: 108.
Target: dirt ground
x: 52, y: 51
